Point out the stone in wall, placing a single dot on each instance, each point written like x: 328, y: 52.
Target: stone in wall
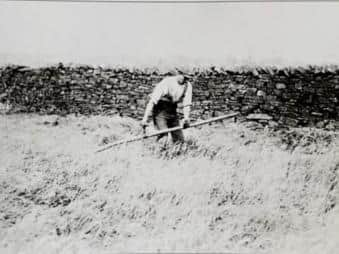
x: 291, y: 96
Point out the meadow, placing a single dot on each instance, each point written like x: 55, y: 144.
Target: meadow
x: 232, y: 187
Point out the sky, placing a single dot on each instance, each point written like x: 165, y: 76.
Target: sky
x: 228, y: 34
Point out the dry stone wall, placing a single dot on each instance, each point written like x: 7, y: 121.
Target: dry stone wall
x: 292, y: 96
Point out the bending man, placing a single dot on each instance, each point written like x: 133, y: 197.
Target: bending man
x: 163, y: 105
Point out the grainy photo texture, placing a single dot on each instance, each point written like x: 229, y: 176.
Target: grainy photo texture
x: 169, y: 127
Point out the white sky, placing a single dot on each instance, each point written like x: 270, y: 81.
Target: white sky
x: 35, y: 33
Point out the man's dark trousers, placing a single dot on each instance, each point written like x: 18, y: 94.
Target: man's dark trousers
x: 165, y: 116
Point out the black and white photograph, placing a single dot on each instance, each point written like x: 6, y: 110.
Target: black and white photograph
x: 158, y: 126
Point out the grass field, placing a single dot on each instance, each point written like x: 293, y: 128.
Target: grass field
x: 229, y: 188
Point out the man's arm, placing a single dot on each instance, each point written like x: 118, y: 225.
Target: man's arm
x: 148, y: 110
x: 187, y: 102
x: 156, y: 95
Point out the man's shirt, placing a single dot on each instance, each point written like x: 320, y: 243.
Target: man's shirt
x: 170, y: 90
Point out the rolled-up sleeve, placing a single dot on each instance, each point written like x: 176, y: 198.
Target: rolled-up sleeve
x: 187, y: 101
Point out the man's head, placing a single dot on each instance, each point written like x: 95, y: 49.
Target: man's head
x: 183, y: 78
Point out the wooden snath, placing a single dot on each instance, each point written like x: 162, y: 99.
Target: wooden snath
x: 141, y: 137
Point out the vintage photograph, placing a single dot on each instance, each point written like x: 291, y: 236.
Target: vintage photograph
x: 159, y: 126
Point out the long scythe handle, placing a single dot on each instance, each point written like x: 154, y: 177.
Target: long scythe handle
x: 125, y: 141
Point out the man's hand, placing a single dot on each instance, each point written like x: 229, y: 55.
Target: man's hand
x: 143, y: 125
x: 186, y: 123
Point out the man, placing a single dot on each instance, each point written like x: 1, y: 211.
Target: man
x: 163, y: 105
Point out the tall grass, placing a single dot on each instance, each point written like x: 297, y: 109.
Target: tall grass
x: 228, y: 188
